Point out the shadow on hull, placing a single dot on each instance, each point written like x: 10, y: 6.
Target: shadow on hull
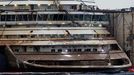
x: 101, y: 70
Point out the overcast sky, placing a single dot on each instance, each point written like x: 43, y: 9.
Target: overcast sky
x: 114, y: 4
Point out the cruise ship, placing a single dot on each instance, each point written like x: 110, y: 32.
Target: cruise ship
x: 58, y: 35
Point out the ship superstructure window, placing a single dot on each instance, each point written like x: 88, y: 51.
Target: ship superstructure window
x: 59, y: 50
x: 3, y: 17
x: 94, y: 49
x: 42, y: 17
x: 114, y: 47
x: 16, y: 50
x: 19, y: 18
x: 87, y: 17
x: 32, y: 17
x: 8, y: 18
x: 88, y: 50
x: 69, y: 50
x: 76, y: 17
x: 81, y: 17
x: 56, y: 36
x: 36, y: 49
x: 73, y: 7
x: 60, y: 17
x: 53, y: 17
x: 79, y: 50
x: 23, y: 36
x: 52, y: 50
x: 75, y: 50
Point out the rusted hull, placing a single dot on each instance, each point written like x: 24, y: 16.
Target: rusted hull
x: 78, y: 69
x: 84, y: 63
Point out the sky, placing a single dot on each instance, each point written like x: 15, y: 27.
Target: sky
x: 114, y: 4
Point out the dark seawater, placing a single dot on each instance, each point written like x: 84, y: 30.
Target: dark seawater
x: 64, y: 73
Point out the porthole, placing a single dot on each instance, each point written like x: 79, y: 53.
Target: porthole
x: 16, y: 50
x: 79, y: 50
x: 59, y: 50
x: 94, y: 50
x: 87, y: 50
x: 52, y: 50
x: 69, y: 50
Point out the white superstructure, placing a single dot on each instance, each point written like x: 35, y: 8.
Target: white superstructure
x: 58, y: 34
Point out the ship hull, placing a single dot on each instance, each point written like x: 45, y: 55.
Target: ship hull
x: 116, y: 65
x: 71, y: 63
x: 32, y: 68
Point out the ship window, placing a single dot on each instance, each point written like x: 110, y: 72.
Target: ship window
x: 94, y: 50
x: 81, y: 17
x: 70, y: 17
x: 40, y: 17
x: 23, y: 36
x: 55, y: 17
x: 52, y: 50
x: 96, y: 35
x: 75, y: 50
x: 114, y: 47
x: 69, y: 50
x: 59, y: 50
x: 45, y: 17
x: 18, y: 17
x: 36, y: 48
x: 104, y: 17
x: 65, y: 17
x: 13, y: 18
x: 24, y: 48
x: 31, y: 17
x: 73, y: 7
x: 49, y: 7
x: 87, y: 17
x: 79, y: 50
x: 60, y: 17
x: 94, y: 18
x: 76, y: 17
x: 51, y: 17
x: 25, y: 18
x: 99, y: 17
x: 33, y: 36
x: 3, y: 18
x: 61, y: 36
x: 16, y: 50
x: 8, y: 18
x: 87, y: 50
x: 34, y: 17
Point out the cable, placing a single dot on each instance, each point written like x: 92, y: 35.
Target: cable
x: 10, y: 2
